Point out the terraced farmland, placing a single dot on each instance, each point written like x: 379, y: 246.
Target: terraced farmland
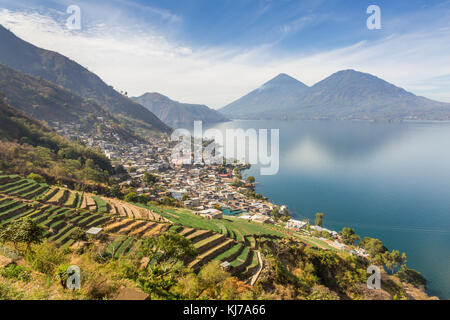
x: 214, y: 246
x: 232, y: 227
x: 59, y: 211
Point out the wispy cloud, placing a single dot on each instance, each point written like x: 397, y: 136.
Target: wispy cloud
x: 138, y: 59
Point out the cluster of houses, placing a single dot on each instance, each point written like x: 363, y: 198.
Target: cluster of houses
x: 205, y: 189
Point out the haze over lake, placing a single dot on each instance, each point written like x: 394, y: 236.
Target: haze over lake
x: 386, y: 180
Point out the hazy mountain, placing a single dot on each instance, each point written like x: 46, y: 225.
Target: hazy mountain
x: 282, y: 91
x: 176, y: 113
x: 46, y: 101
x: 346, y: 94
x: 60, y: 70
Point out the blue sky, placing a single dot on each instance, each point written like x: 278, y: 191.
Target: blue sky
x: 213, y: 51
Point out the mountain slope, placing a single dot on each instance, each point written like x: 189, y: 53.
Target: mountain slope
x: 280, y: 92
x: 25, y: 140
x: 60, y: 70
x: 46, y: 101
x: 175, y: 113
x: 346, y: 94
x: 352, y: 94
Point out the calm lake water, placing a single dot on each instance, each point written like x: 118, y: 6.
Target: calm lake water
x: 386, y: 180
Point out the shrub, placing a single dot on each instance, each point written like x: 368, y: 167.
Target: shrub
x: 36, y: 177
x: 61, y: 274
x: 14, y: 271
x: 45, y: 258
x: 411, y: 276
x: 8, y: 292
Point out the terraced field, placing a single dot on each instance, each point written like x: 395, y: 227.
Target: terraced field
x: 59, y: 211
x: 213, y: 246
x: 233, y: 227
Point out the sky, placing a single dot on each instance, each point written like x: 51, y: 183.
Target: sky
x: 214, y: 51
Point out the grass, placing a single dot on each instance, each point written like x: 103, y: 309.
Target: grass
x: 18, y: 207
x: 22, y: 186
x: 123, y: 247
x: 67, y: 231
x: 239, y: 227
x: 11, y: 184
x: 7, y: 203
x: 207, y: 240
x: 241, y: 258
x: 223, y: 256
x: 26, y: 189
x: 115, y: 244
x: 61, y: 232
x: 254, y: 261
x: 18, y: 216
x: 101, y: 204
x: 96, y: 221
x: 40, y: 191
x: 71, y: 200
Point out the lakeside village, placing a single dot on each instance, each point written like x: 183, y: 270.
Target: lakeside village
x: 211, y: 191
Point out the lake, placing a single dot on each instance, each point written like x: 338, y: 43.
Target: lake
x: 386, y: 180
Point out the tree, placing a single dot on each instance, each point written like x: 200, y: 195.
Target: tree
x: 394, y: 259
x: 25, y: 231
x: 149, y: 179
x: 373, y: 246
x: 349, y: 236
x: 78, y: 235
x: 275, y: 213
x: 411, y: 276
x: 251, y: 179
x: 165, y: 254
x: 36, y: 177
x: 134, y: 197
x: 319, y: 219
x: 222, y: 170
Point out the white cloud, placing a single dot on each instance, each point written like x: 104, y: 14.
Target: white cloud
x: 137, y: 60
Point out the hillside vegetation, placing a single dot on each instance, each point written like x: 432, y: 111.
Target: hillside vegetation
x: 29, y: 146
x: 43, y: 231
x: 60, y: 70
x: 46, y: 101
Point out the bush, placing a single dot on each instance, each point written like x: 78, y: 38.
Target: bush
x: 14, y: 271
x: 134, y: 197
x: 412, y: 276
x: 36, y: 177
x: 8, y: 292
x: 45, y: 258
x: 61, y: 274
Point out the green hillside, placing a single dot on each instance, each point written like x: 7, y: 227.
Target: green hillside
x: 28, y: 146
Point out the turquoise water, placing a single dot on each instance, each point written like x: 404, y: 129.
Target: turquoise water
x: 386, y: 180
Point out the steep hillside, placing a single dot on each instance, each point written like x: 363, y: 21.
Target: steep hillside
x: 46, y: 101
x: 28, y: 146
x: 176, y: 113
x: 60, y: 70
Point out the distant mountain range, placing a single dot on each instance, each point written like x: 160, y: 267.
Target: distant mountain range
x: 62, y: 71
x: 347, y: 94
x: 176, y: 113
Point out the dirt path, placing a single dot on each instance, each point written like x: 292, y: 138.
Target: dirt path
x: 256, y: 276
